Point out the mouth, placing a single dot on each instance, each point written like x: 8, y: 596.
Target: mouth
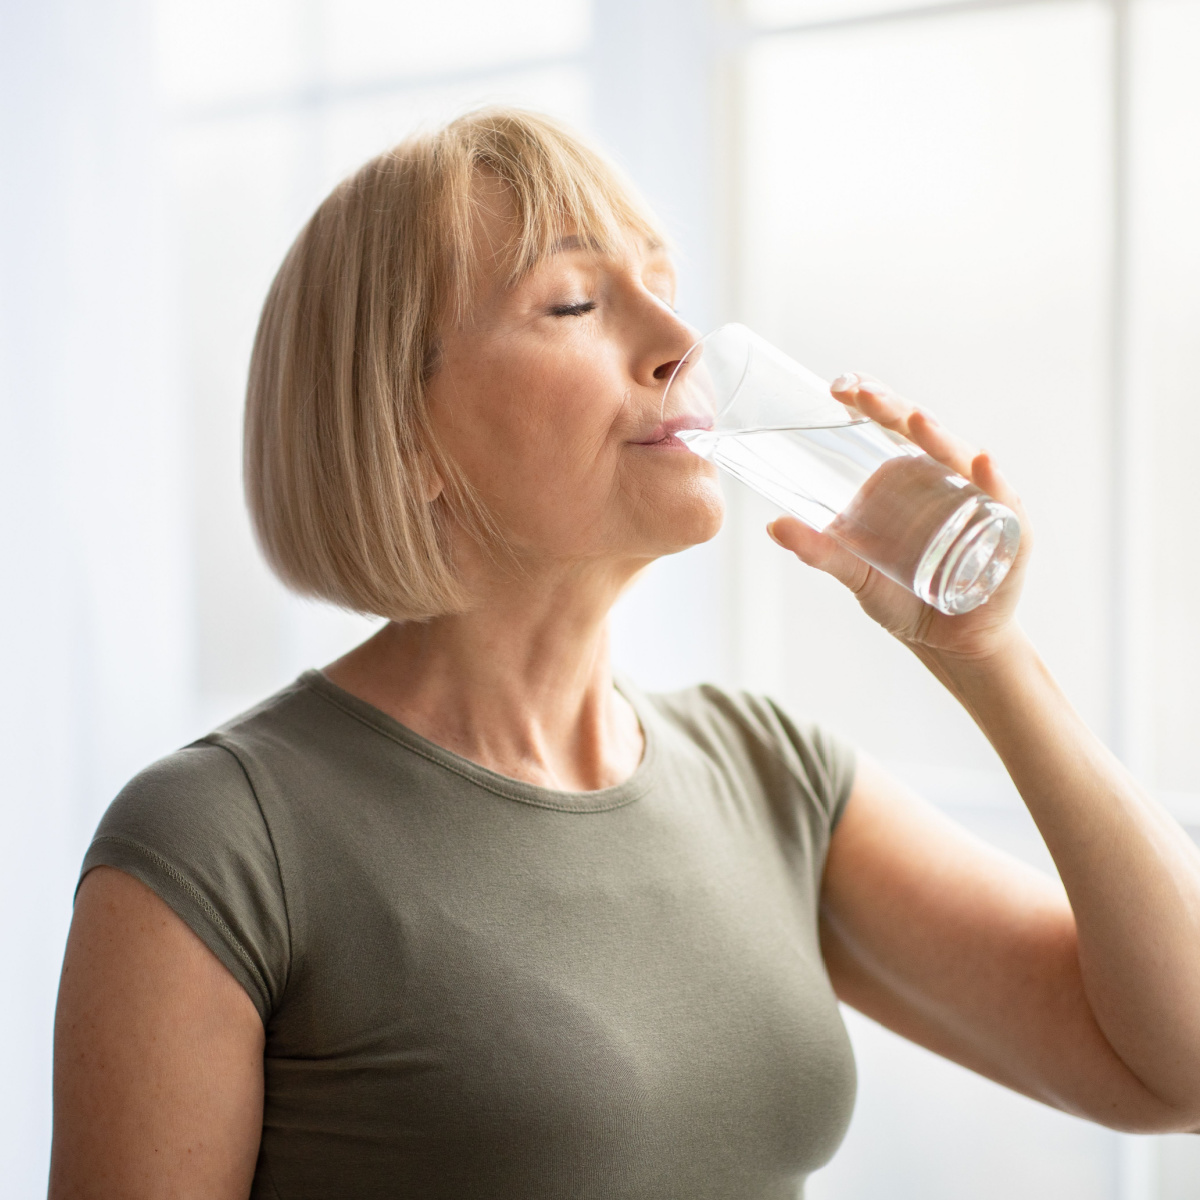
x: 663, y: 434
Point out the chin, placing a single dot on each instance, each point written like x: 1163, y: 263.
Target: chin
x: 690, y: 518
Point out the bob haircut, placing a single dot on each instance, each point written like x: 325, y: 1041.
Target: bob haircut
x: 338, y: 443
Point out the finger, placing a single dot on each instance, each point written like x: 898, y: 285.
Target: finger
x: 845, y: 388
x: 873, y: 399
x: 820, y: 551
x: 926, y: 431
x: 877, y: 401
x: 987, y: 477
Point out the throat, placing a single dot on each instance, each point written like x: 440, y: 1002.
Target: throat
x: 546, y: 728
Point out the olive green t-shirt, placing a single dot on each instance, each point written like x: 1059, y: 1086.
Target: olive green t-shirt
x: 476, y: 987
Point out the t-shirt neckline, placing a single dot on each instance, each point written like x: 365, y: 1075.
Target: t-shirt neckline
x: 603, y: 800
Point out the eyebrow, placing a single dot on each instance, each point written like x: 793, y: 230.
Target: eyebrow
x: 571, y: 242
x: 574, y: 242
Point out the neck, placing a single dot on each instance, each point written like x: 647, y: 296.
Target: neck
x: 521, y: 684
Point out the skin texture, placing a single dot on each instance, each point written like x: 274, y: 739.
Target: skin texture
x: 549, y: 399
x: 158, y: 1080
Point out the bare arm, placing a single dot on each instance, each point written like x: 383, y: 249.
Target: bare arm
x: 978, y: 958
x: 1088, y: 1000
x: 158, y: 1078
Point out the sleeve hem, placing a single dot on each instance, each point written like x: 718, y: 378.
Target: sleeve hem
x: 188, y: 902
x: 844, y: 792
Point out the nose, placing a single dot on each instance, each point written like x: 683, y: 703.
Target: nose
x: 666, y: 341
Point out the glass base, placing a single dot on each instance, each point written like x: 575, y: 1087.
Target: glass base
x: 969, y: 558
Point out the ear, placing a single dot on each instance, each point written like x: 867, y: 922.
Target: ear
x: 428, y: 480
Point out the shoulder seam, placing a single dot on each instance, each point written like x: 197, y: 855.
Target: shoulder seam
x: 200, y: 898
x: 817, y: 733
x: 756, y: 702
x: 210, y: 740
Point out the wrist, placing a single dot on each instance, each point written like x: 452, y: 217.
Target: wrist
x: 997, y: 654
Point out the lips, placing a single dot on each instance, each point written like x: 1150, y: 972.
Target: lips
x: 664, y: 432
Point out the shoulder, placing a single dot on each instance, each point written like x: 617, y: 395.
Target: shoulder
x: 190, y: 828
x: 757, y: 733
x: 193, y: 801
x: 202, y: 784
x: 205, y: 798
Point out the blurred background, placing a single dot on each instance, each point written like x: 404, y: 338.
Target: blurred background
x: 992, y: 204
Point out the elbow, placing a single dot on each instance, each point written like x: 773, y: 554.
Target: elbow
x: 1151, y: 1115
x: 1126, y: 1105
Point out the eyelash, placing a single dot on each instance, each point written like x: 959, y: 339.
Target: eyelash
x: 573, y: 310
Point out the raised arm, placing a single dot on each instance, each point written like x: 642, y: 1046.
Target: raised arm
x: 1088, y: 1000
x: 158, y: 1077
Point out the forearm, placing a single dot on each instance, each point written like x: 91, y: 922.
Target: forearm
x: 1131, y: 873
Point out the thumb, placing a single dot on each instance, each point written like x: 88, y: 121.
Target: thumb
x: 820, y: 551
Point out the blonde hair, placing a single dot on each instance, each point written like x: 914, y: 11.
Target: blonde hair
x: 338, y: 444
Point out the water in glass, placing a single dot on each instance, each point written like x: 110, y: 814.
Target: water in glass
x: 904, y: 513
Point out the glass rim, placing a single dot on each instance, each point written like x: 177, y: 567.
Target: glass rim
x: 718, y: 406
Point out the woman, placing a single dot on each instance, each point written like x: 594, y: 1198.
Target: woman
x: 459, y: 917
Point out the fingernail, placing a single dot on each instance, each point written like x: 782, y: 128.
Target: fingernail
x: 843, y: 383
x: 771, y: 533
x: 873, y: 389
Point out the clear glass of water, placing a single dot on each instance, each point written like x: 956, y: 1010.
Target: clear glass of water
x: 776, y: 426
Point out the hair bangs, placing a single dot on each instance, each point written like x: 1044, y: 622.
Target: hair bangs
x: 558, y: 185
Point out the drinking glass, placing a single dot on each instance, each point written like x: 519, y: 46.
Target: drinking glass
x: 776, y: 426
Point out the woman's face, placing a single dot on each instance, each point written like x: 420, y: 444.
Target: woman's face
x: 549, y: 399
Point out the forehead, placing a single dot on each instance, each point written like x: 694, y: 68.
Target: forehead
x: 632, y: 244
x: 632, y: 250
x: 516, y: 226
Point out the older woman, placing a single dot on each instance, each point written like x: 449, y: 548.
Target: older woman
x: 463, y: 916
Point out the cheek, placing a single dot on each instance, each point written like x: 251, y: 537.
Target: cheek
x: 537, y: 428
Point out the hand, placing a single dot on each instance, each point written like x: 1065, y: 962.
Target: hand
x: 972, y: 635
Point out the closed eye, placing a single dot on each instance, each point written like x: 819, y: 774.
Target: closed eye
x: 573, y: 310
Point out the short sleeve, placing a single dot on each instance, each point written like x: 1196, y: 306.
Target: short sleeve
x: 759, y: 738
x: 190, y: 828
x: 826, y: 760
